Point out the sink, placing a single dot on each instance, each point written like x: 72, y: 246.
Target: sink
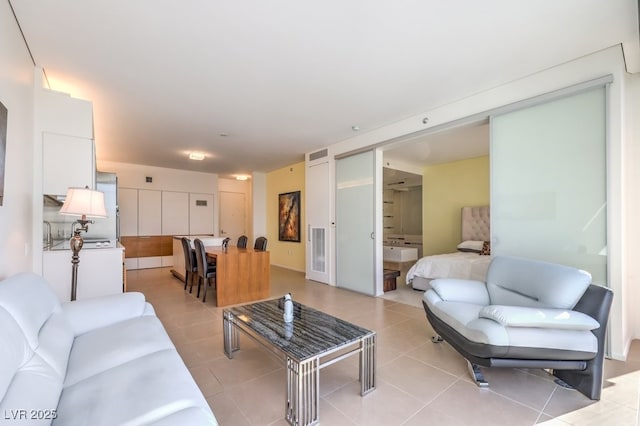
x: 399, y: 254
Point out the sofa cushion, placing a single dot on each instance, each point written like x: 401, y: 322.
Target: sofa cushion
x: 55, y: 342
x: 115, y: 345
x: 142, y: 391
x: 30, y: 301
x: 461, y: 290
x: 14, y: 350
x: 523, y: 282
x: 90, y: 314
x: 522, y: 342
x: 35, y: 386
x: 518, y: 316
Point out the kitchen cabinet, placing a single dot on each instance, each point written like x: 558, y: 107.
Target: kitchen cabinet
x: 62, y: 114
x: 150, y: 218
x: 67, y: 161
x: 149, y: 212
x: 128, y: 209
x: 100, y: 272
x: 200, y: 214
x: 175, y: 213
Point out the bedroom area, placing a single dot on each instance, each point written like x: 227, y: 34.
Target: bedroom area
x: 528, y: 180
x: 453, y: 169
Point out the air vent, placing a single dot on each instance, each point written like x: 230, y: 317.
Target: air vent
x: 318, y: 154
x: 201, y: 203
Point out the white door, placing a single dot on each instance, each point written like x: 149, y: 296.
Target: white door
x: 317, y: 210
x: 232, y: 215
x: 355, y: 204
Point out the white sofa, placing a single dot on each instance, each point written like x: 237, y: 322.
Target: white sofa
x: 101, y: 361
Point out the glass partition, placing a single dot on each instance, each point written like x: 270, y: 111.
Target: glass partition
x: 548, y: 182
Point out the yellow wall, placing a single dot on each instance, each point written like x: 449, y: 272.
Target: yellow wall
x: 446, y: 188
x: 287, y: 254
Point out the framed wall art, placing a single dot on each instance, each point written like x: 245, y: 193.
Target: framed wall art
x: 289, y: 216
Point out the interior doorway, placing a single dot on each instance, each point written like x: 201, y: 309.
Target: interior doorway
x: 232, y: 215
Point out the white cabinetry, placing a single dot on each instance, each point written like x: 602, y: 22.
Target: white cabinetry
x: 175, y: 213
x: 67, y: 161
x: 149, y: 212
x: 150, y: 218
x: 200, y: 214
x: 99, y: 272
x: 128, y: 207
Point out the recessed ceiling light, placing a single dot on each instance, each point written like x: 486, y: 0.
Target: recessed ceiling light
x: 196, y: 156
x: 224, y: 135
x: 355, y: 128
x: 242, y: 177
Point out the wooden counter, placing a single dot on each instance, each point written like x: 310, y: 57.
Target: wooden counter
x: 242, y: 275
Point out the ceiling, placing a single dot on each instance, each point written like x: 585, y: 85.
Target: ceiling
x: 254, y: 85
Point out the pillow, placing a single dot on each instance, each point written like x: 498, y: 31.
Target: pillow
x: 471, y: 246
x: 486, y: 248
x: 519, y: 316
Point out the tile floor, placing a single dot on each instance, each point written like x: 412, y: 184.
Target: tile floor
x: 419, y: 383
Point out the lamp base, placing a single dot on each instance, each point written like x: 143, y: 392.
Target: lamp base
x: 76, y: 243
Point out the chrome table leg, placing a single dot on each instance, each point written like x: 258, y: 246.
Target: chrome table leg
x: 303, y: 392
x: 367, y: 364
x: 231, y: 338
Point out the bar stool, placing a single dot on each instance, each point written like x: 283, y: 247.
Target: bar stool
x: 242, y: 241
x: 206, y: 270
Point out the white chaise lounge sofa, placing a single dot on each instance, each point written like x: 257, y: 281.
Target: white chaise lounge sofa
x: 102, y: 361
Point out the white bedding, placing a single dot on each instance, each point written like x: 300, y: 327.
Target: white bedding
x: 466, y: 265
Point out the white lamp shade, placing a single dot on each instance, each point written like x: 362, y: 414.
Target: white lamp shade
x: 84, y: 202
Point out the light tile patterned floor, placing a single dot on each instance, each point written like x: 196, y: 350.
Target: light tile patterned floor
x: 419, y: 383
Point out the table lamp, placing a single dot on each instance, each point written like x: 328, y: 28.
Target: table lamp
x: 82, y: 202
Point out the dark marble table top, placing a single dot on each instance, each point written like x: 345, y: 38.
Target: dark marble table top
x: 311, y: 333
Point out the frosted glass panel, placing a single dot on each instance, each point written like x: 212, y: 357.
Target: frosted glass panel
x: 548, y: 183
x: 354, y: 223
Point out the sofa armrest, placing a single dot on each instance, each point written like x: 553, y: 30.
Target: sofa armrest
x: 518, y: 316
x: 90, y: 314
x: 459, y: 290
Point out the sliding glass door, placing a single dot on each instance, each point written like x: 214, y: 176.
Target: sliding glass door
x: 355, y: 249
x: 548, y: 182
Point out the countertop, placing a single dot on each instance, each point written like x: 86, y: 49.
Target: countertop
x: 89, y: 244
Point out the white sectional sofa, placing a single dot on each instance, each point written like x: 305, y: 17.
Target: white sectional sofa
x: 102, y: 361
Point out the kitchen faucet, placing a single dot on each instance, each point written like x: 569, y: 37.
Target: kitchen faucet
x: 49, y: 236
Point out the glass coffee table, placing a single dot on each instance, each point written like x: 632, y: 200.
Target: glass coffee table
x: 313, y: 340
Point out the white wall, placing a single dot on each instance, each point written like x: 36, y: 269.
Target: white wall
x: 624, y: 325
x: 259, y: 191
x: 16, y: 94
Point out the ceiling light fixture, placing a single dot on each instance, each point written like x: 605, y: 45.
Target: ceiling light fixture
x: 199, y: 156
x: 355, y: 128
x: 242, y: 177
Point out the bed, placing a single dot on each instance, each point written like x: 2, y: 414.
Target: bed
x: 471, y: 261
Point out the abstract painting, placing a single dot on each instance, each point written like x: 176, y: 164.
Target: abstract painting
x: 289, y: 216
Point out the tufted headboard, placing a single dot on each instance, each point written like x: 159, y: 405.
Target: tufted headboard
x: 475, y: 223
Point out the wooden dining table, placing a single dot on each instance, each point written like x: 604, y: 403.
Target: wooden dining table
x: 242, y: 274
